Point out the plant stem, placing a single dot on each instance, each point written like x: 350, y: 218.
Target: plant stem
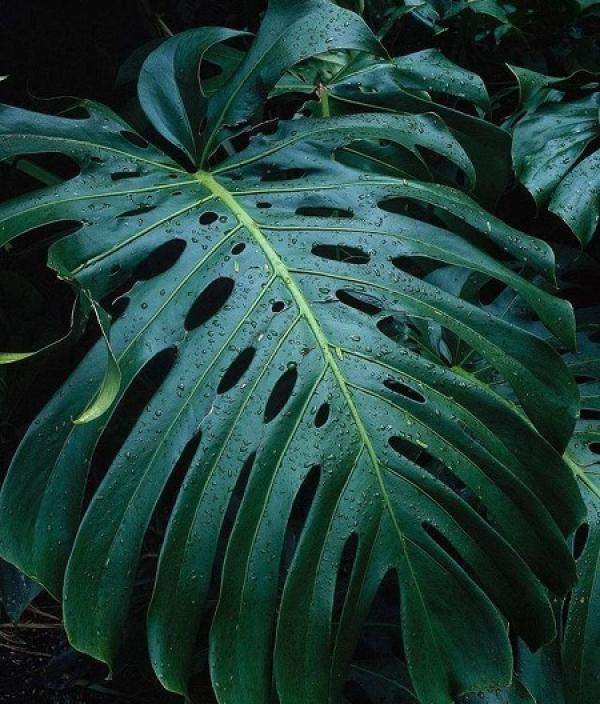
x: 323, y: 100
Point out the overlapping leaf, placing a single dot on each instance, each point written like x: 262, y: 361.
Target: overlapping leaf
x: 581, y: 647
x: 412, y: 84
x: 566, y: 670
x: 290, y: 303
x: 552, y: 155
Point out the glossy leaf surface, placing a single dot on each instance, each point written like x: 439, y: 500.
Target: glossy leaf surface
x: 550, y: 153
x: 288, y: 305
x: 581, y: 647
x: 411, y: 84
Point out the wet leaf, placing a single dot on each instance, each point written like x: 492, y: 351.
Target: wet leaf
x: 280, y: 330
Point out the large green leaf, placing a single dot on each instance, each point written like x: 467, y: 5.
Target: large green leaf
x: 581, y: 646
x: 430, y: 70
x: 288, y: 303
x: 566, y: 670
x: 407, y: 84
x: 550, y: 151
x: 292, y: 30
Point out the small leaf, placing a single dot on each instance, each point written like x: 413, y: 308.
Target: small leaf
x: 112, y: 376
x: 169, y: 85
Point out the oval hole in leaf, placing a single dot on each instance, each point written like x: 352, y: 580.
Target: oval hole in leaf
x: 440, y: 539
x: 168, y: 497
x: 132, y: 404
x: 238, y: 248
x: 236, y: 371
x: 283, y: 174
x: 120, y: 175
x: 382, y: 624
x: 410, y: 207
x: 140, y: 210
x: 134, y: 139
x: 414, y: 266
x: 59, y: 165
x: 405, y: 448
x: 580, y: 540
x: 403, y: 390
x: 342, y: 582
x: 208, y: 218
x: 322, y: 415
x: 209, y: 302
x: 324, y: 212
x: 280, y: 394
x: 418, y: 455
x: 160, y: 260
x: 392, y: 327
x: 359, y: 301
x: 490, y: 291
x: 44, y: 236
x: 341, y: 253
x: 229, y: 518
x: 564, y: 614
x: 301, y: 506
x: 278, y: 306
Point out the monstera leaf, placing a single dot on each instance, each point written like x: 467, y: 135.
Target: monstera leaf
x: 553, y: 150
x: 423, y: 71
x: 566, y: 670
x: 437, y: 14
x: 581, y: 647
x: 308, y: 414
x: 415, y: 83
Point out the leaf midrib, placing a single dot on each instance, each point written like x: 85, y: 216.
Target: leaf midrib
x: 280, y: 270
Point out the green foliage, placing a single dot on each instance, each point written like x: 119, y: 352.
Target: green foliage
x: 581, y: 645
x: 436, y: 14
x: 411, y: 84
x: 333, y: 372
x: 550, y: 148
x: 16, y: 591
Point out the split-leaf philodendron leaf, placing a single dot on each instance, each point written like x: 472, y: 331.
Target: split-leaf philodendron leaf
x: 551, y: 148
x: 411, y: 84
x: 289, y: 301
x: 581, y: 645
x: 566, y: 670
